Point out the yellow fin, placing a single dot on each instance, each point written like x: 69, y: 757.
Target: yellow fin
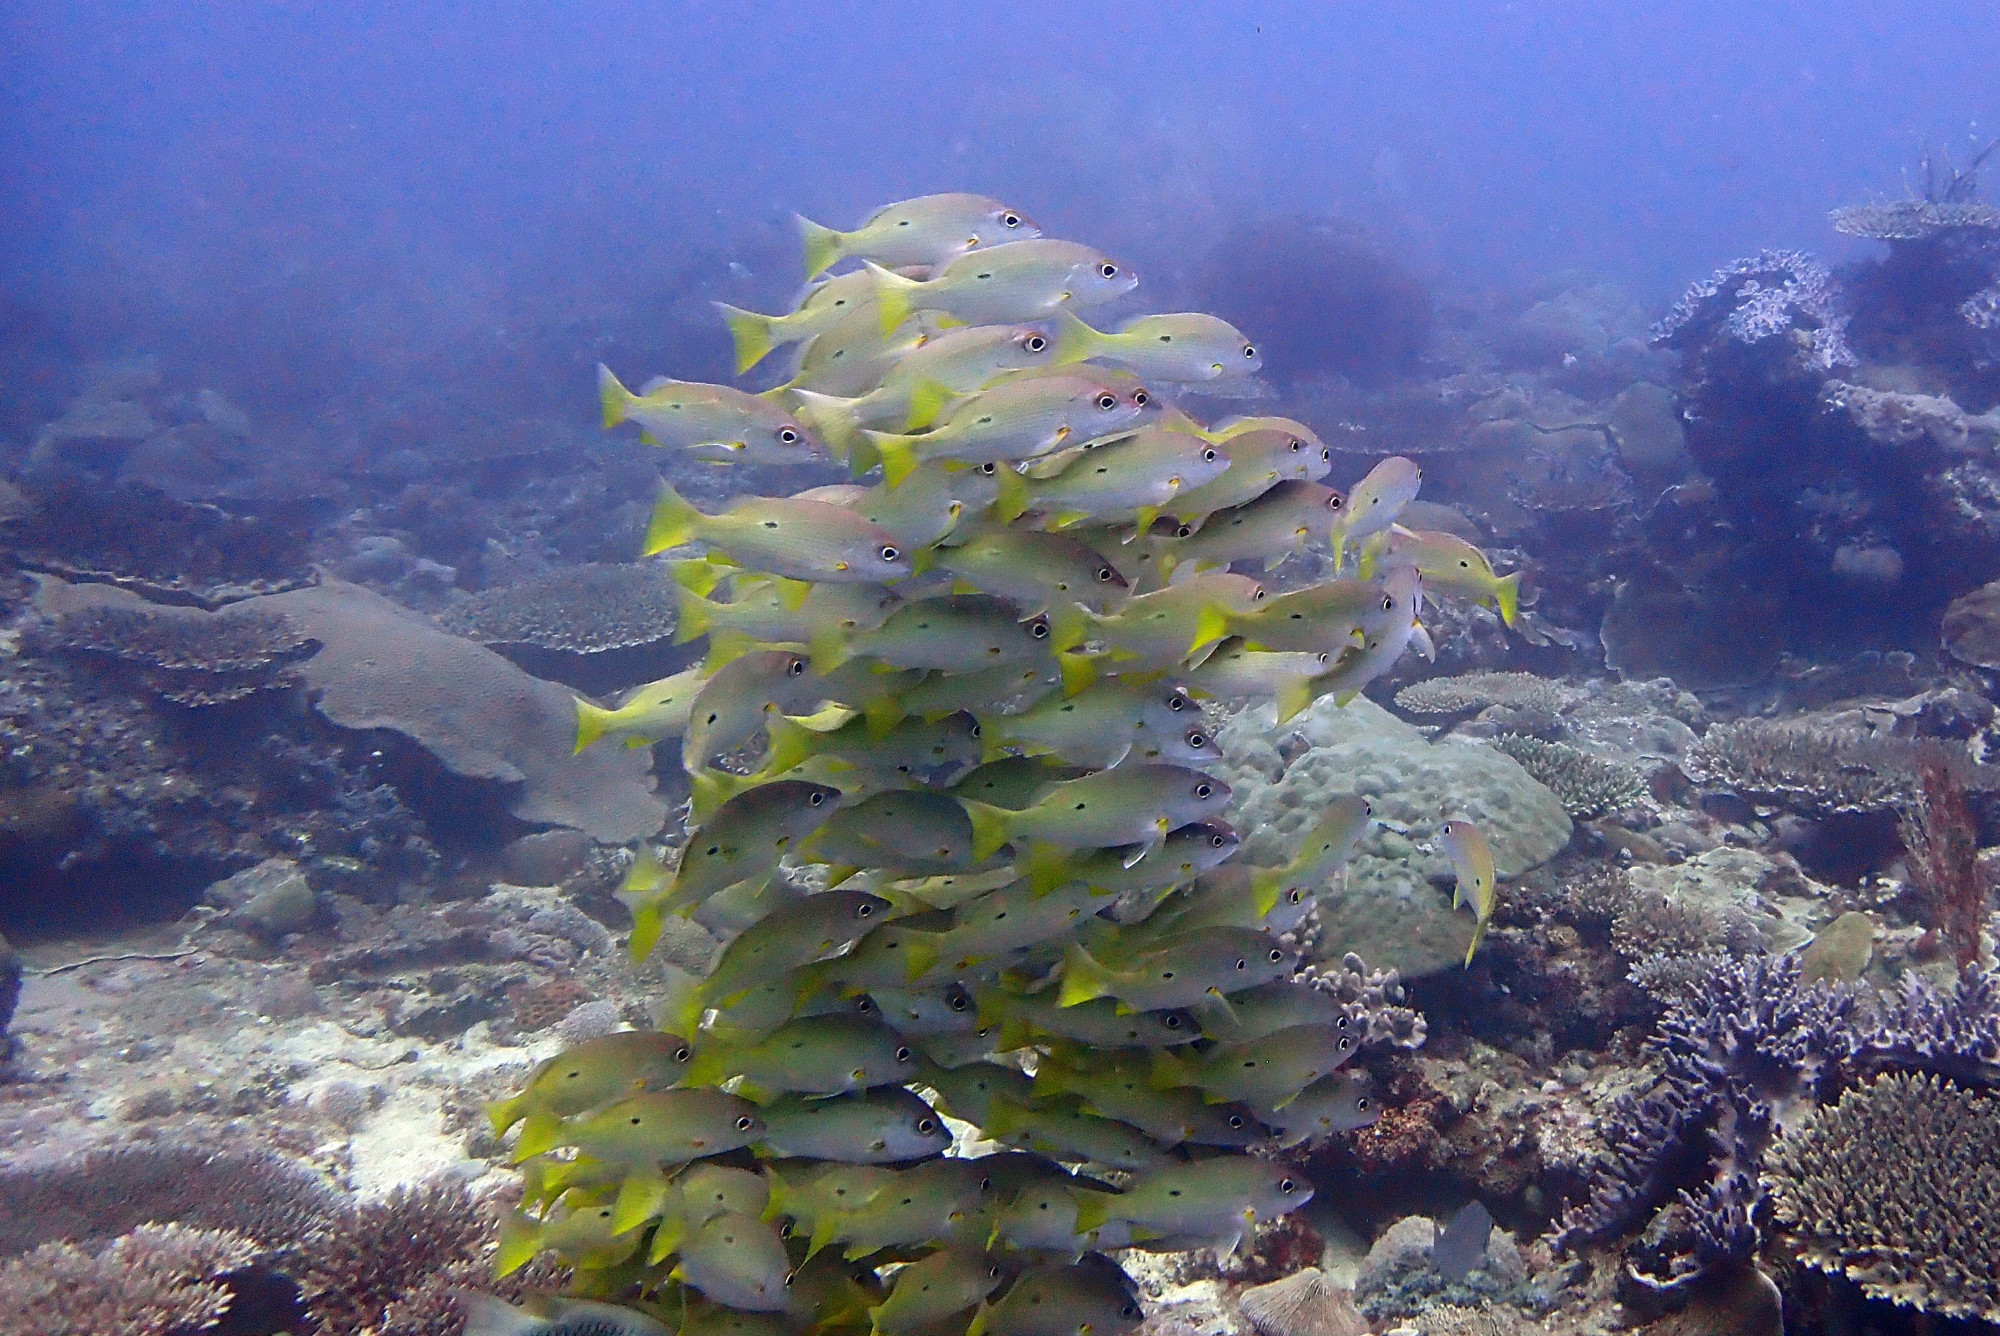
x: 897, y: 453
x: 1507, y: 593
x: 1295, y: 694
x: 1075, y: 341
x: 892, y: 296
x: 927, y: 400
x: 613, y: 396
x: 1010, y: 498
x: 823, y: 247
x: 592, y: 723
x: 1078, y: 671
x: 674, y: 521
x: 520, y: 1240
x: 539, y: 1132
x: 751, y: 332
x: 1084, y: 980
x: 989, y: 827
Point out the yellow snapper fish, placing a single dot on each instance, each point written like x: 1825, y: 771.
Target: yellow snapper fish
x: 488, y: 1316
x: 948, y: 1281
x: 1217, y: 1200
x: 1090, y: 1298
x: 1096, y: 727
x: 1275, y: 525
x: 1015, y: 281
x: 799, y: 540
x: 1472, y: 861
x: 959, y: 633
x: 1133, y: 806
x: 928, y: 230
x: 777, y: 612
x: 1016, y: 419
x: 1446, y: 562
x: 1326, y: 618
x: 1223, y: 431
x: 741, y: 698
x: 817, y: 308
x: 1380, y: 647
x: 1186, y: 347
x: 922, y: 382
x: 588, y: 1235
x: 738, y: 1260
x: 853, y: 355
x: 648, y: 714
x: 711, y: 422
x: 597, y: 1071
x: 1155, y: 632
x: 1033, y: 570
x: 1258, y: 461
x: 920, y: 512
x: 1374, y: 503
x: 1134, y: 477
x: 1235, y: 672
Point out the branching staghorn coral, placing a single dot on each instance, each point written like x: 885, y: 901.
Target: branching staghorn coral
x: 159, y: 1280
x: 1897, y: 1187
x: 1587, y: 786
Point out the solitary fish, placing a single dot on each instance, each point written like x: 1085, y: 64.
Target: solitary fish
x: 1472, y: 860
x: 711, y: 422
x: 1187, y: 346
x: 931, y: 229
x: 1461, y: 1244
x: 800, y: 540
x: 1018, y: 280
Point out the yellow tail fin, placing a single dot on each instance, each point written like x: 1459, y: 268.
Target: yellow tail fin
x: 1078, y: 670
x: 614, y: 397
x: 1010, y: 498
x: 1075, y: 341
x: 1508, y: 595
x: 592, y: 723
x: 539, y: 1132
x: 1295, y: 694
x: 898, y: 454
x: 893, y: 300
x: 674, y: 522
x: 791, y: 743
x: 989, y: 827
x: 696, y: 615
x: 752, y: 332
x: 697, y: 575
x: 823, y: 245
x: 504, y: 1113
x: 927, y: 400
x: 1084, y: 980
x: 833, y: 416
x: 520, y: 1240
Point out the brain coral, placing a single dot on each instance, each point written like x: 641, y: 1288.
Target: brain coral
x: 1897, y: 1187
x: 1389, y: 912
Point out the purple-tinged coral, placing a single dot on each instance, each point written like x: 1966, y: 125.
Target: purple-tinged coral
x: 1951, y: 1032
x: 1372, y: 1001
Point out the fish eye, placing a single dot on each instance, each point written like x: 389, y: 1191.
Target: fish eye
x: 890, y: 552
x: 1177, y: 702
x: 815, y: 800
x: 1258, y: 597
x: 1141, y: 398
x: 796, y: 667
x: 1286, y: 1185
x: 1326, y: 453
x: 715, y: 849
x: 1345, y: 1043
x: 1249, y: 351
x: 1104, y: 574
x: 1361, y: 1105
x: 1041, y: 630
x: 1107, y: 401
x: 1388, y: 602
x: 865, y: 1005
x: 1108, y: 269
x: 1204, y: 790
x: 864, y: 911
x: 1036, y: 343
x: 1236, y: 1122
x: 745, y: 1123
x: 1217, y: 841
x: 903, y: 1053
x: 1296, y: 895
x: 1010, y: 219
x: 788, y: 435
x: 1196, y: 738
x: 636, y: 1121
x: 959, y: 1002
x: 926, y: 1125
x: 1172, y: 1021
x: 989, y: 468
x: 1334, y: 502
x: 1242, y: 964
x: 1208, y: 455
x: 683, y: 1053
x: 1276, y: 955
x: 975, y: 730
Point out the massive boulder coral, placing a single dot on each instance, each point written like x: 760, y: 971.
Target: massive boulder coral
x: 1389, y: 911
x: 1897, y: 1187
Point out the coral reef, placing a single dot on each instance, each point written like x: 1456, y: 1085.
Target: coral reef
x: 583, y: 609
x: 1587, y: 786
x: 1759, y: 297
x: 159, y: 1280
x: 1813, y: 766
x: 1305, y: 1303
x: 1942, y: 837
x: 1897, y: 1188
x: 1469, y: 692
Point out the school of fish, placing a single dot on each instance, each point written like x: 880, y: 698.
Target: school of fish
x: 950, y: 815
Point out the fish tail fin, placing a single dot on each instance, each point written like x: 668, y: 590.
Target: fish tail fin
x: 640, y: 1198
x: 927, y: 400
x: 649, y: 920
x: 725, y: 646
x: 1507, y: 594
x: 979, y: 1325
x: 648, y: 873
x: 1069, y: 626
x: 1265, y: 885
x: 823, y: 245
x: 882, y: 714
x: 754, y: 334
x: 892, y: 296
x: 520, y: 1240
x: 827, y: 650
x: 898, y: 454
x: 1168, y: 1071
x: 1003, y: 1119
x: 706, y: 1068
x: 668, y: 1236
x: 697, y: 614
x: 592, y: 722
x: 612, y: 395
x: 1047, y: 867
x: 710, y: 789
x: 835, y: 418
x: 504, y: 1113
x: 1010, y: 497
x: 920, y: 955
x: 1369, y: 555
x: 1084, y: 980
x: 993, y: 742
x: 697, y: 575
x: 679, y: 1010
x: 1295, y: 694
x: 790, y: 743
x: 1093, y: 1210
x: 539, y: 1132
x: 1078, y: 671
x: 674, y: 521
x: 1075, y: 341
x: 990, y: 828
x: 1211, y: 627
x: 1478, y: 933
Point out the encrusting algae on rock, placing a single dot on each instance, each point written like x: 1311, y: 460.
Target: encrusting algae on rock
x: 988, y: 735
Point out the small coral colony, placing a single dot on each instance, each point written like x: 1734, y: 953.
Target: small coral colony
x: 1001, y: 999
